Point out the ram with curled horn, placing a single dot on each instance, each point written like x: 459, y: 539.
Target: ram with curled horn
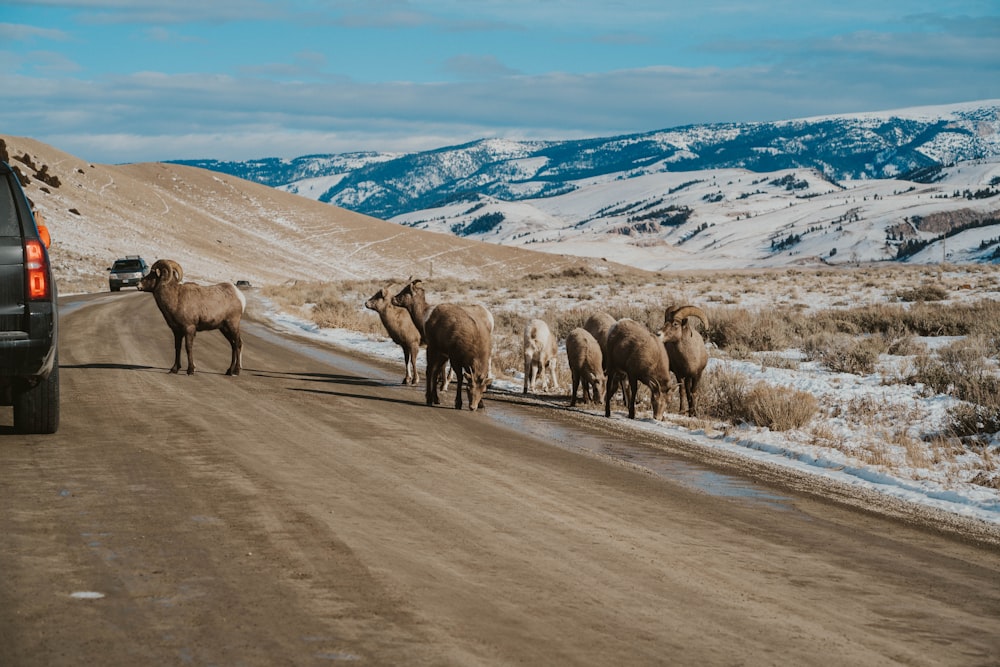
x: 189, y: 308
x: 686, y: 350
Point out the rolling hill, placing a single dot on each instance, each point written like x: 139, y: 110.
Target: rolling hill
x: 224, y: 228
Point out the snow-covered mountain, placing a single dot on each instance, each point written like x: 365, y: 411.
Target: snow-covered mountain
x: 858, y: 187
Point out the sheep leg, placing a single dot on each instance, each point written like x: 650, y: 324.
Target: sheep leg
x: 189, y: 348
x: 232, y: 334
x: 178, y: 337
x: 406, y: 365
x: 435, y: 366
x: 576, y: 385
x: 691, y: 386
x: 554, y: 386
x: 612, y: 388
x: 633, y: 389
x: 460, y: 375
x: 414, y: 377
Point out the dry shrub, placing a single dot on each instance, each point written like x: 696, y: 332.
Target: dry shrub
x: 567, y: 320
x: 924, y: 292
x: 972, y: 420
x: 339, y: 314
x: 722, y: 393
x: 741, y: 328
x: 962, y: 370
x: 726, y: 394
x: 774, y: 360
x: 508, y: 353
x: 779, y: 408
x: 842, y: 353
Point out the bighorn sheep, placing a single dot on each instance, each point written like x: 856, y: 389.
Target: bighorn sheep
x: 598, y: 325
x: 638, y: 355
x: 413, y: 298
x: 686, y: 350
x: 189, y: 308
x: 541, y: 352
x: 586, y: 361
x: 463, y: 337
x: 400, y: 328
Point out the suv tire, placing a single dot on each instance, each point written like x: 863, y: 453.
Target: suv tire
x: 36, y: 409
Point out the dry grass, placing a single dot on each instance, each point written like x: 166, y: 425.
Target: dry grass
x: 753, y: 314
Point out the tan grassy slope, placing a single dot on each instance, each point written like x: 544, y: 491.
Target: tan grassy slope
x: 224, y: 228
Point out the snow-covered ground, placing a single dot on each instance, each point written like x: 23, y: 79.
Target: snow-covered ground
x: 735, y: 218
x: 880, y: 451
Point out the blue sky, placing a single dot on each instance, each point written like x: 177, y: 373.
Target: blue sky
x: 115, y: 81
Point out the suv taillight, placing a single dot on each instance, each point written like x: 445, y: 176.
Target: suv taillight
x: 37, y: 270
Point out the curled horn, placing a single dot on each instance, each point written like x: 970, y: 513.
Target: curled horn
x: 676, y: 314
x: 176, y: 268
x: 163, y: 266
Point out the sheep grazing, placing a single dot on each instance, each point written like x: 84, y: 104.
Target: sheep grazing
x: 541, y: 352
x: 189, y: 308
x: 463, y: 337
x: 400, y: 327
x: 636, y: 354
x: 586, y: 361
x: 686, y: 350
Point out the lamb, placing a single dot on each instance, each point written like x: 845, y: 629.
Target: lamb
x: 541, y: 352
x: 461, y: 336
x: 686, y: 350
x: 189, y: 308
x: 400, y: 328
x: 586, y: 361
x: 638, y: 355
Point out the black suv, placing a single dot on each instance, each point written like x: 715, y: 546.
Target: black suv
x: 127, y: 272
x: 29, y: 366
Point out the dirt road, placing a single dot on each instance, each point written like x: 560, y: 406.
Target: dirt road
x: 313, y: 510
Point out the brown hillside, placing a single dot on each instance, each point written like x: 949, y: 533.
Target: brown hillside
x: 224, y: 228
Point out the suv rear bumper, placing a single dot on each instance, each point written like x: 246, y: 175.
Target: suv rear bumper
x: 30, y: 355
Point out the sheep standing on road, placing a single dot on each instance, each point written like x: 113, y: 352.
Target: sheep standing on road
x: 541, y: 352
x: 686, y: 350
x: 637, y: 355
x: 400, y: 327
x: 189, y: 308
x: 586, y: 362
x: 413, y: 297
x: 462, y: 337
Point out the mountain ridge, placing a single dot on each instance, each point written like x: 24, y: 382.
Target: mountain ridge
x: 872, y: 145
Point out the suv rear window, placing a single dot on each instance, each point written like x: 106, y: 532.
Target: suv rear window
x: 8, y: 212
x: 131, y: 265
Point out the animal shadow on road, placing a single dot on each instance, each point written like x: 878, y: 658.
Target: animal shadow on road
x: 336, y: 379
x: 109, y: 366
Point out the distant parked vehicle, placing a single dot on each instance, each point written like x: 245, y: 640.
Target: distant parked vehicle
x: 29, y: 364
x: 127, y: 272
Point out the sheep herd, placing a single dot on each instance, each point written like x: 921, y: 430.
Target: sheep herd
x: 604, y: 355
